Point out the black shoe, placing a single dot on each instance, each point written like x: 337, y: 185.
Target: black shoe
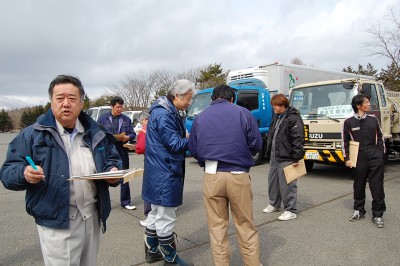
x: 378, y: 222
x: 357, y: 215
x: 153, y: 257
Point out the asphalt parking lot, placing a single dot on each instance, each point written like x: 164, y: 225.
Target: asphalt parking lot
x: 321, y: 235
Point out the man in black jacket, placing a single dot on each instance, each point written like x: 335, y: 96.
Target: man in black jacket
x: 365, y: 129
x: 284, y: 147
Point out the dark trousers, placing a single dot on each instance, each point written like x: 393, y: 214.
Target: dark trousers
x: 125, y: 190
x: 146, y: 207
x: 369, y: 168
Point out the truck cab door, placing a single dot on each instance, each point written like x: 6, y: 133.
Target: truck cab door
x: 379, y: 106
x: 257, y: 103
x: 385, y: 112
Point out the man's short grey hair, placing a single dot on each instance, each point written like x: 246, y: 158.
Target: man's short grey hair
x: 181, y: 87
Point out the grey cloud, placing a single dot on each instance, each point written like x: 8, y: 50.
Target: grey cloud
x: 100, y: 41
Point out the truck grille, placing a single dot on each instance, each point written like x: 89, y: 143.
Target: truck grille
x: 319, y: 145
x: 242, y: 76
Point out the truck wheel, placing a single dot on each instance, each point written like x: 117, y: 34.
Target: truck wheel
x: 309, y: 165
x: 258, y: 157
x: 386, y: 154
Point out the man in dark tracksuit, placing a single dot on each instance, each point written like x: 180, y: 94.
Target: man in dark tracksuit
x: 116, y: 123
x: 365, y: 129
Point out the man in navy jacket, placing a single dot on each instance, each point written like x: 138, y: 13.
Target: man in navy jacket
x: 222, y: 139
x: 64, y: 142
x: 117, y: 123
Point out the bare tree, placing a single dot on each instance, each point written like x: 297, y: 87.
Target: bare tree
x: 15, y: 116
x: 192, y: 74
x: 297, y: 61
x: 139, y: 89
x: 386, y: 40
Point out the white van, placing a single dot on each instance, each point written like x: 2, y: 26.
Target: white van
x: 133, y: 115
x: 96, y: 112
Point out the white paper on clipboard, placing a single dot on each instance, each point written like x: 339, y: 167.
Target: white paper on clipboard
x: 127, y: 175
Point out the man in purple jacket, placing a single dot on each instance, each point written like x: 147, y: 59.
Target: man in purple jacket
x: 222, y: 139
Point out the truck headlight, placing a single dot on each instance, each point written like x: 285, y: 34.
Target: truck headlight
x: 338, y: 145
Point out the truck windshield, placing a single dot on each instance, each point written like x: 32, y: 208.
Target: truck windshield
x: 331, y: 101
x: 200, y: 102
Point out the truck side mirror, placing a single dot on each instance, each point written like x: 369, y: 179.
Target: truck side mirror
x: 348, y: 86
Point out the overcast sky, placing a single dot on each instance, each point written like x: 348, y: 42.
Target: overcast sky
x: 101, y: 41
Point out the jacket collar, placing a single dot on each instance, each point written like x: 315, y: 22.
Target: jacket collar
x: 48, y: 120
x: 219, y: 101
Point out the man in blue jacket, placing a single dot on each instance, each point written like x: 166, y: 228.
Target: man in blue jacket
x: 64, y: 142
x: 164, y: 171
x: 120, y: 126
x: 222, y: 139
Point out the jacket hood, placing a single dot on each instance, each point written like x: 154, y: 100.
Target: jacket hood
x: 163, y: 102
x: 292, y: 110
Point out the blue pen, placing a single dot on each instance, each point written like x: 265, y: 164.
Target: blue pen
x: 29, y: 159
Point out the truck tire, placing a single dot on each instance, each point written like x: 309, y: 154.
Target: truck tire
x: 309, y: 165
x: 258, y: 157
x: 386, y: 154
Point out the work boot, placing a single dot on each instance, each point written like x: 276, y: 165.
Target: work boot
x: 152, y: 253
x: 168, y: 250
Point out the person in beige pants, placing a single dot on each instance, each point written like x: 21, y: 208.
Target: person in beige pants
x: 221, y: 139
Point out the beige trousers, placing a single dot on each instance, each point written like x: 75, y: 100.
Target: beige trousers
x: 75, y: 246
x: 221, y: 191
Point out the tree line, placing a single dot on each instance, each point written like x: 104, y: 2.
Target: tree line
x: 138, y: 90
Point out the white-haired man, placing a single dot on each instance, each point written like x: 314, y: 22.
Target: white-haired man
x: 164, y: 170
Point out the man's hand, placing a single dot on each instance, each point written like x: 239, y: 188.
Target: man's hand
x: 295, y: 164
x: 349, y: 164
x: 125, y: 138
x: 113, y: 180
x: 33, y: 176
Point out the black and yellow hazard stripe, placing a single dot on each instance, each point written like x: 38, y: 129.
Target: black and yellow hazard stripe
x: 328, y: 156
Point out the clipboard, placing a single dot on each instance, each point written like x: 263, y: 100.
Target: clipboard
x: 292, y: 173
x: 126, y: 175
x: 353, y: 152
x: 129, y: 146
x: 120, y: 136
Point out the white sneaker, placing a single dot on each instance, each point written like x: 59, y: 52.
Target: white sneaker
x: 143, y: 223
x: 287, y: 215
x: 270, y: 209
x: 130, y: 207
